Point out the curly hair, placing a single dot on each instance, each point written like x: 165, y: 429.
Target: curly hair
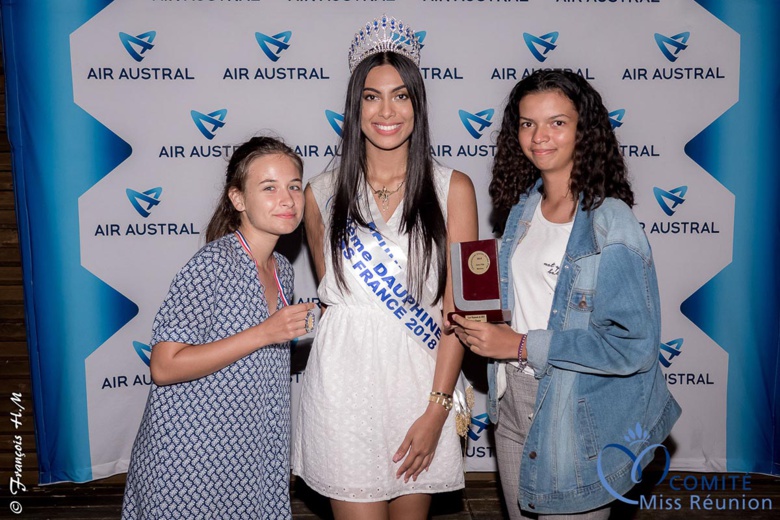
x: 598, y: 171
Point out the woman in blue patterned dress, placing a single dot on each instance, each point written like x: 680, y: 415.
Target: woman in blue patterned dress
x: 214, y: 438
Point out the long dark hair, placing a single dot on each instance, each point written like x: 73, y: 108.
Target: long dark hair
x: 599, y: 170
x: 226, y: 218
x: 422, y: 217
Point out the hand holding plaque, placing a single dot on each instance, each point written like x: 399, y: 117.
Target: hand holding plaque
x: 476, y: 287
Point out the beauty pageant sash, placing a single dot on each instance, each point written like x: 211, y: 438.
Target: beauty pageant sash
x: 378, y: 266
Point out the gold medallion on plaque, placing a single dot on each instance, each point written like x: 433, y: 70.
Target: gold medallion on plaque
x: 479, y: 262
x: 476, y: 287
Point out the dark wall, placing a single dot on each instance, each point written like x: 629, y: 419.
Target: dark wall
x: 14, y: 364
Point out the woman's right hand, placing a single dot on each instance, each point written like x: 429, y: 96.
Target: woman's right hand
x: 497, y: 341
x: 285, y: 324
x: 173, y: 362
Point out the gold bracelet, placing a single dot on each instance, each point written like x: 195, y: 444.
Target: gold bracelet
x: 441, y: 398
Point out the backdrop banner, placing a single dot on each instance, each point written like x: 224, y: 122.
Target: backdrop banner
x: 122, y: 114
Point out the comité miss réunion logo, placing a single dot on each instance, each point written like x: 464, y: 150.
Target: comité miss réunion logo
x: 137, y: 45
x: 636, y: 438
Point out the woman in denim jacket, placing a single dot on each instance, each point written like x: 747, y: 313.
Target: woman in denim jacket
x: 578, y: 368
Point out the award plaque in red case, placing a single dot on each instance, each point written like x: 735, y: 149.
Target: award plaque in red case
x: 476, y: 287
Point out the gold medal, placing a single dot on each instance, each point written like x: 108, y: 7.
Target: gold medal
x: 479, y: 262
x: 309, y: 321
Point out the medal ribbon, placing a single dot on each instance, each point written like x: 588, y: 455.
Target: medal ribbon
x: 246, y: 247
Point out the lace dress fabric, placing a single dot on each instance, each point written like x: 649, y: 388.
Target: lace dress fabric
x: 366, y: 382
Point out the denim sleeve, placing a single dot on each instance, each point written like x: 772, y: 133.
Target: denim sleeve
x: 623, y: 334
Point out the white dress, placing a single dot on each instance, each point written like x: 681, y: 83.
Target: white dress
x: 366, y: 382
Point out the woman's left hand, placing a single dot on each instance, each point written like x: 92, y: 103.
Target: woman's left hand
x: 497, y: 341
x: 419, y: 445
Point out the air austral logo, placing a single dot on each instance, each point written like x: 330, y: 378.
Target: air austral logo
x: 273, y: 46
x: 420, y: 35
x: 431, y: 72
x: 143, y: 202
x: 674, y: 197
x: 143, y: 350
x: 669, y: 201
x: 482, y: 120
x: 616, y: 117
x: 129, y: 380
x: 672, y: 46
x: 207, y: 125
x: 478, y: 425
x: 215, y: 120
x: 480, y: 422
x: 640, y: 150
x: 335, y: 120
x: 475, y: 124
x: 669, y: 351
x: 136, y: 46
x: 541, y: 45
x: 280, y: 43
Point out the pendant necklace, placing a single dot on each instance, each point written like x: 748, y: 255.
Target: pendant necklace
x: 384, y: 193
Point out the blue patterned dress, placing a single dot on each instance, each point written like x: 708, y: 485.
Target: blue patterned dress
x: 216, y: 447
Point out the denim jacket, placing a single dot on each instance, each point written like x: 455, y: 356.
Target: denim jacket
x: 597, y: 361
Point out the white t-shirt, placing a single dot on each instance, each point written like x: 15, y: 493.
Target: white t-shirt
x: 535, y: 266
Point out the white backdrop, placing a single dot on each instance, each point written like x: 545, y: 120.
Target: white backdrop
x: 666, y: 69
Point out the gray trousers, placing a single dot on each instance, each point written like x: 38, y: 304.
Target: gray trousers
x: 516, y: 408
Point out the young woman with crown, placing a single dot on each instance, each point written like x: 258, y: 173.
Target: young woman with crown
x: 215, y: 434
x: 375, y: 433
x: 578, y: 367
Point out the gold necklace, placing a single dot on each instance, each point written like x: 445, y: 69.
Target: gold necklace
x: 384, y: 193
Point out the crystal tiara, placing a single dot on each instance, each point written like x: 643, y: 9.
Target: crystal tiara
x: 385, y: 34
